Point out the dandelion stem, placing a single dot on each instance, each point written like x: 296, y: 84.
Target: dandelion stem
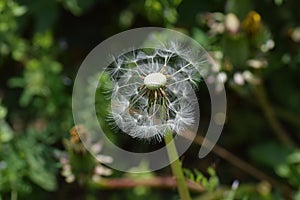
x: 176, y: 167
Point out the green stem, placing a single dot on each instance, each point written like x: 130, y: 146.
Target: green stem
x: 176, y: 167
x: 14, y: 195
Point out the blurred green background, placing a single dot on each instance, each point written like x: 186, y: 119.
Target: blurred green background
x: 256, y: 45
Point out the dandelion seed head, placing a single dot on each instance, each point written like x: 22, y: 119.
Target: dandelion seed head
x: 153, y: 90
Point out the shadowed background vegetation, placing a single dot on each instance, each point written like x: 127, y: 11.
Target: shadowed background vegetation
x: 256, y: 47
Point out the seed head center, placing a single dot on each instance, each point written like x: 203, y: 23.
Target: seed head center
x: 155, y: 81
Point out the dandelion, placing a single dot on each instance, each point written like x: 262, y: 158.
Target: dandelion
x: 153, y: 90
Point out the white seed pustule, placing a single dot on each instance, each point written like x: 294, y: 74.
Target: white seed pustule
x: 155, y: 81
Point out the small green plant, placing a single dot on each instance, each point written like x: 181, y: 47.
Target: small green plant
x: 210, y: 183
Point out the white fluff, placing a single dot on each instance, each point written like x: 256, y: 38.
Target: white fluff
x: 170, y: 71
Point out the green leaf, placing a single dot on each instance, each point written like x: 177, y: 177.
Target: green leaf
x: 6, y: 133
x: 45, y: 14
x: 19, y: 10
x: 200, y: 36
x: 236, y: 49
x: 211, y: 171
x: 3, y: 112
x: 238, y: 7
x: 77, y: 7
x: 278, y: 2
x: 188, y: 173
x: 294, y: 158
x: 270, y: 154
x: 199, y: 176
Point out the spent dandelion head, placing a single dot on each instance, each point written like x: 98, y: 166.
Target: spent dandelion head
x: 153, y: 90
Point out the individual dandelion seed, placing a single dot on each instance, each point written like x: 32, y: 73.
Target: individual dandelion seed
x: 153, y: 91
